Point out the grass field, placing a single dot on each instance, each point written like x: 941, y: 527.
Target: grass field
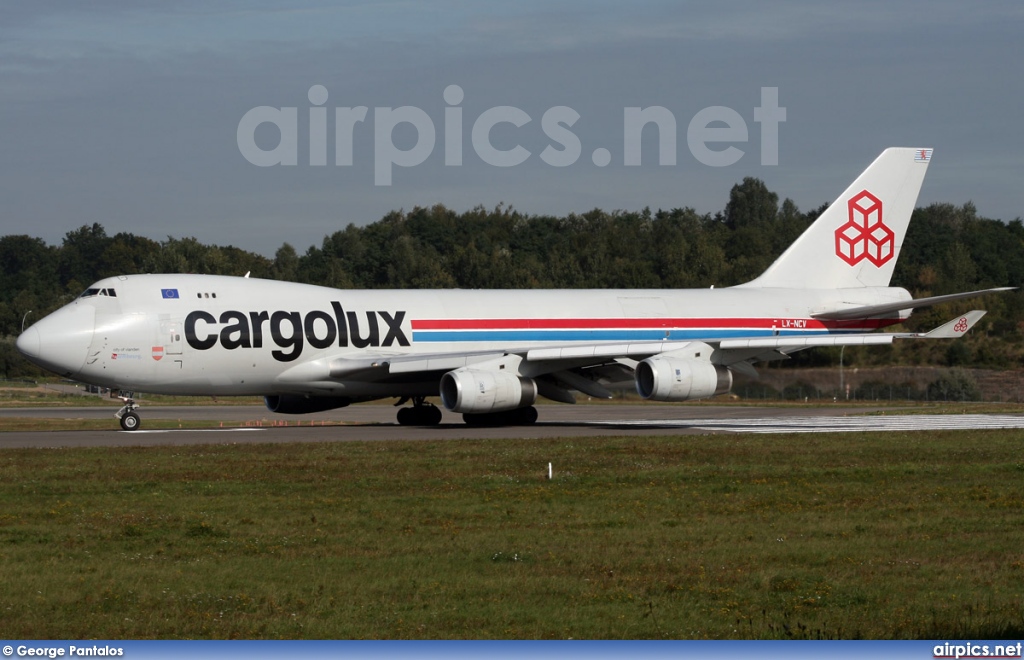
x: 57, y: 395
x: 840, y: 535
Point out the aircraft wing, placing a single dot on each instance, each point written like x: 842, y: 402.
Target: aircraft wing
x: 560, y: 358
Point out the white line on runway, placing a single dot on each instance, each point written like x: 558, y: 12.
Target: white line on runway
x: 232, y: 430
x: 838, y: 424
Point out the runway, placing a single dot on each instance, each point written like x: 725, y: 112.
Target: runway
x: 846, y: 424
x: 253, y: 424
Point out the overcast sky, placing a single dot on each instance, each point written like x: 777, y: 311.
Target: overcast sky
x: 128, y: 114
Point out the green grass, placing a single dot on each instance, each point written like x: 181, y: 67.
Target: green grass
x: 40, y: 397
x: 895, y: 535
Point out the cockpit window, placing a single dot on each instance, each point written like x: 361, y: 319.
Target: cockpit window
x: 89, y: 293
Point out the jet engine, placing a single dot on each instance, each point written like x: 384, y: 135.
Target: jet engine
x: 480, y: 391
x: 662, y: 378
x: 293, y: 404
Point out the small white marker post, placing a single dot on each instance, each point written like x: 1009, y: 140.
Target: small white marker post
x: 549, y: 472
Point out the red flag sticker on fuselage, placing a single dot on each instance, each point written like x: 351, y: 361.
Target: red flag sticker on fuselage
x: 158, y: 352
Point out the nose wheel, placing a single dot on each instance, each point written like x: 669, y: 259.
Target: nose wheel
x: 129, y: 419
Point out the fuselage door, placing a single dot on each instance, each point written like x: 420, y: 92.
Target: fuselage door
x: 170, y: 337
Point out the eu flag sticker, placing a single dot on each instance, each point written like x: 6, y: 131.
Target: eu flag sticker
x: 171, y: 294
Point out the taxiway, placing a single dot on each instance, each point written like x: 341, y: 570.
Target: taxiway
x: 253, y: 424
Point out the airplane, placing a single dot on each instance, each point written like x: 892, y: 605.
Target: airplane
x: 490, y: 354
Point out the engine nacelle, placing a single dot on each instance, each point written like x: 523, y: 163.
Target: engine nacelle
x: 293, y: 404
x: 480, y: 391
x: 662, y: 378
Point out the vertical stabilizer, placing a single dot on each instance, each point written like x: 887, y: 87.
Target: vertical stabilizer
x: 856, y: 241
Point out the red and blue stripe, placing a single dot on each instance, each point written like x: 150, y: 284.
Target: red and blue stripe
x: 627, y: 329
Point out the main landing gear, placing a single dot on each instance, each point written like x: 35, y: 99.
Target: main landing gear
x: 420, y: 414
x: 129, y: 419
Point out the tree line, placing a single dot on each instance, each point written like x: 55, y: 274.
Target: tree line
x: 948, y: 248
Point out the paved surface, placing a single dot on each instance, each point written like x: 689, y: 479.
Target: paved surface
x: 385, y: 414
x: 844, y: 424
x: 376, y: 423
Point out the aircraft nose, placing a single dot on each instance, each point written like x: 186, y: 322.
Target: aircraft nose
x: 60, y: 342
x: 28, y: 343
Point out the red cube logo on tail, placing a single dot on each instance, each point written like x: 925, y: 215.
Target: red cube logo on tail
x: 865, y: 236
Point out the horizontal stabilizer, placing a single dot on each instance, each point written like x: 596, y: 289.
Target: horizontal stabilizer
x: 869, y: 311
x: 957, y: 327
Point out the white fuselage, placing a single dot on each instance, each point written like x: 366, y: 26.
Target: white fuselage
x: 215, y: 335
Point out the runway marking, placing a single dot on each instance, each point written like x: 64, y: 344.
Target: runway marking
x: 838, y: 424
x: 231, y: 430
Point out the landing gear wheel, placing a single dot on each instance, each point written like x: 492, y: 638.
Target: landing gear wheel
x: 480, y: 419
x: 130, y: 421
x: 526, y: 416
x: 431, y: 415
x: 126, y: 415
x: 420, y: 414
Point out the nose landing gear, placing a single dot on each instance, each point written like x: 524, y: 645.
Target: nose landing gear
x: 129, y: 419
